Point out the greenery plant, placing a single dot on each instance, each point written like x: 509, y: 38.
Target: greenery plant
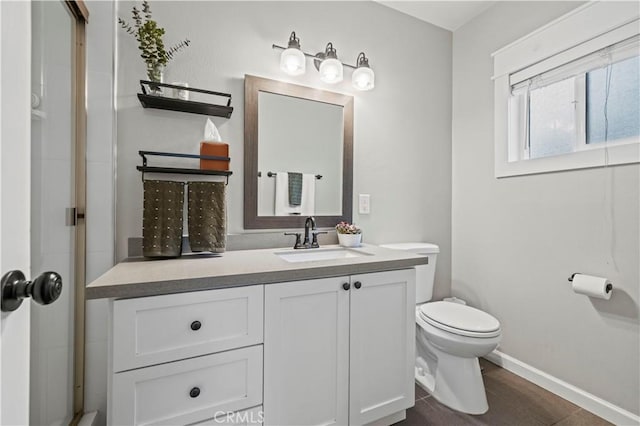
x: 149, y: 36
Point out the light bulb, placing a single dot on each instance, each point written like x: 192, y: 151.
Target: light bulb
x: 331, y: 71
x: 363, y: 78
x: 292, y: 61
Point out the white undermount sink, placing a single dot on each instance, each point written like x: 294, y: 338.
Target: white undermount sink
x: 311, y: 255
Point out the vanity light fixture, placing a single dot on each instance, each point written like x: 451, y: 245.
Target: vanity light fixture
x: 292, y: 61
x: 363, y: 77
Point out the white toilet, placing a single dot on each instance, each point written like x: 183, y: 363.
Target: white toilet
x: 449, y: 339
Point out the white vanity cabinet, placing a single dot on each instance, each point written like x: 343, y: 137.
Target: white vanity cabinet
x: 382, y: 345
x: 339, y: 350
x: 186, y: 358
x: 307, y: 356
x: 326, y: 351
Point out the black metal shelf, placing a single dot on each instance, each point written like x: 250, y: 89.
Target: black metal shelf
x: 172, y: 104
x: 181, y: 170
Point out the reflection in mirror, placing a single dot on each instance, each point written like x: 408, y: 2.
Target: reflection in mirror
x: 296, y: 129
x: 298, y: 135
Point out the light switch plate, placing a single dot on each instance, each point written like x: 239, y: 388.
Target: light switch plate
x: 364, y: 204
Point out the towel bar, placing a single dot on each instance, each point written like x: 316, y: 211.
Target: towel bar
x: 272, y: 174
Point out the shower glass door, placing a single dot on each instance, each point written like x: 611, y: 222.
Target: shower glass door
x: 52, y: 195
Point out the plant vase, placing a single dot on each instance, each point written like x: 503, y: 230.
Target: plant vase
x: 155, y: 73
x: 350, y: 240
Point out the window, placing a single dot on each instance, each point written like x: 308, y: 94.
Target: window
x: 552, y: 120
x: 579, y: 105
x: 568, y: 98
x: 612, y: 102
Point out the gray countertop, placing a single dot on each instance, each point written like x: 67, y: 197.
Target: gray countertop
x: 235, y: 269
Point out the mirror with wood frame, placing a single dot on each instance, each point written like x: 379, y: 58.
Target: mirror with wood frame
x: 296, y: 129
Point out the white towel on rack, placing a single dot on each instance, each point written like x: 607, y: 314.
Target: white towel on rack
x: 307, y: 202
x: 282, y: 196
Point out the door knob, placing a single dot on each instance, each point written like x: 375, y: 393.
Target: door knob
x: 357, y: 284
x: 346, y: 286
x: 45, y: 289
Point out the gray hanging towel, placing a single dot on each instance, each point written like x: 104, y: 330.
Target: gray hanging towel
x: 295, y: 188
x: 162, y: 218
x: 207, y: 216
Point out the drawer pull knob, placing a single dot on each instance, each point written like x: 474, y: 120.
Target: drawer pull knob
x: 346, y: 286
x: 193, y: 393
x: 357, y: 284
x: 195, y: 326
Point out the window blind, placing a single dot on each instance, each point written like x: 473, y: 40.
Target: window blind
x: 524, y: 80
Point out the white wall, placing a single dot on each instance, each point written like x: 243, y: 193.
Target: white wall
x: 517, y: 240
x: 100, y: 192
x: 402, y: 129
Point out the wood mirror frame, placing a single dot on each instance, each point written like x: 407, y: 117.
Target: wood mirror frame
x: 252, y: 87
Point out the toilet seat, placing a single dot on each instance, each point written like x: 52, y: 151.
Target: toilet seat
x: 460, y: 319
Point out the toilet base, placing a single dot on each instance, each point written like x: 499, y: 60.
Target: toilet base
x: 447, y: 367
x: 457, y: 384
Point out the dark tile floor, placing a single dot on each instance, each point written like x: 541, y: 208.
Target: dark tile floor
x: 513, y: 401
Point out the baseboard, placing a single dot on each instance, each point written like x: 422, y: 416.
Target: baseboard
x: 581, y: 398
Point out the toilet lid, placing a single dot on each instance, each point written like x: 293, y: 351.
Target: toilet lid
x: 460, y: 319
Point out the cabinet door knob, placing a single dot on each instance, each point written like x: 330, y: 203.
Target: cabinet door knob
x: 357, y: 284
x: 195, y: 326
x: 193, y: 393
x: 346, y: 286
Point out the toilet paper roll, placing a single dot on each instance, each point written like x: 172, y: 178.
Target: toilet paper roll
x: 592, y: 286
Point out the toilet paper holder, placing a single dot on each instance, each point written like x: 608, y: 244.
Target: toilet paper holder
x: 608, y: 288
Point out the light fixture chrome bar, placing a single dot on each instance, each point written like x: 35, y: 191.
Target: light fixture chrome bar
x: 275, y: 46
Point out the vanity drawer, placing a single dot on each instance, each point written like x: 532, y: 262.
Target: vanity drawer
x: 188, y: 391
x: 153, y: 330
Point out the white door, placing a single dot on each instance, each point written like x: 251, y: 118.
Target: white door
x: 15, y: 39
x: 32, y: 226
x: 382, y: 345
x: 306, y: 353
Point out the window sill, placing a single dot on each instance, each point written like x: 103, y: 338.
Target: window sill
x: 617, y: 154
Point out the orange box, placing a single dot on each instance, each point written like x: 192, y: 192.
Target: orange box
x: 217, y: 149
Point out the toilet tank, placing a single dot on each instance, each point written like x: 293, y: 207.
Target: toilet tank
x: 425, y: 274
